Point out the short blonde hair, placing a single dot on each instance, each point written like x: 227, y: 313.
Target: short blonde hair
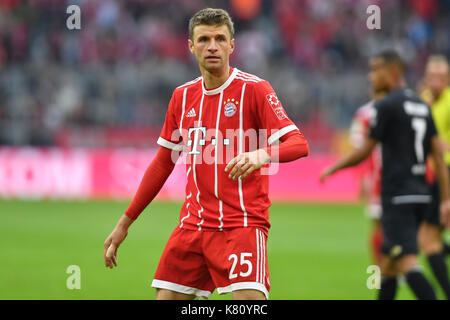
x: 211, y: 17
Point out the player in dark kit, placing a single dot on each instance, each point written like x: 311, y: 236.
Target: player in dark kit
x: 403, y: 125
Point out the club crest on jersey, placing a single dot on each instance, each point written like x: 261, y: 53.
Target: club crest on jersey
x: 230, y: 107
x: 276, y: 105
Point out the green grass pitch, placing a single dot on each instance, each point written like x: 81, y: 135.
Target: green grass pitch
x: 316, y: 251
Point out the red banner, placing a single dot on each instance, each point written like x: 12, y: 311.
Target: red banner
x: 116, y: 173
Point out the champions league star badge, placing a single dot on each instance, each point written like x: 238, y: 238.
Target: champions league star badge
x: 230, y: 107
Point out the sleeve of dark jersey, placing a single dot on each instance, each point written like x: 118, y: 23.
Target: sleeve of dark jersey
x: 379, y: 120
x: 153, y: 180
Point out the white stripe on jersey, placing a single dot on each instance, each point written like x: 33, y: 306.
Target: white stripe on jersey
x: 257, y: 255
x: 263, y: 267
x: 189, y: 170
x: 278, y: 134
x: 249, y: 76
x: 245, y: 79
x: 219, y: 109
x: 241, y: 148
x: 194, y: 172
x: 190, y: 82
x: 260, y: 256
x: 183, y: 109
x: 187, y: 208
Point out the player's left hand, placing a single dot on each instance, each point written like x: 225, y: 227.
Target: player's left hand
x: 445, y: 213
x: 245, y: 163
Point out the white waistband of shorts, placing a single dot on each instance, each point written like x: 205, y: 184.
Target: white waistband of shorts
x: 244, y: 285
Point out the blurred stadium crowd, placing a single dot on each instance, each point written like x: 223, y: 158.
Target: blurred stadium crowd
x: 119, y: 70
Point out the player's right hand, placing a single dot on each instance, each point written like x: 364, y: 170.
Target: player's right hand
x: 112, y: 243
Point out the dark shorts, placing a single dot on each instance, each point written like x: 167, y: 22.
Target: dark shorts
x: 432, y: 216
x: 400, y: 223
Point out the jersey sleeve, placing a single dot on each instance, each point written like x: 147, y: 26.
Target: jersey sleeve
x: 170, y: 136
x: 432, y: 126
x: 379, y: 120
x: 270, y: 112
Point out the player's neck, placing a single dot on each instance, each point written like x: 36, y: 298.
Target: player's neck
x: 214, y: 80
x: 397, y: 85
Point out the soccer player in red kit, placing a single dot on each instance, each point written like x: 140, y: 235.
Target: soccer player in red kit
x: 228, y: 123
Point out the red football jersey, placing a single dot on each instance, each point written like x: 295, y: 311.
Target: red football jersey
x: 372, y: 166
x: 212, y: 127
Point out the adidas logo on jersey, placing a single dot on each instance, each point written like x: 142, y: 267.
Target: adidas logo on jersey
x: 191, y: 113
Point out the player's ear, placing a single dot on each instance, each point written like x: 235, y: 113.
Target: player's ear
x: 232, y: 45
x: 191, y: 46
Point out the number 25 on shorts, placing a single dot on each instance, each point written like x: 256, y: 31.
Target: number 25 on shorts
x: 243, y: 262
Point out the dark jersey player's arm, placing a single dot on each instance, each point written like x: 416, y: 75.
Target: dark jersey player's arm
x: 353, y: 158
x: 377, y: 134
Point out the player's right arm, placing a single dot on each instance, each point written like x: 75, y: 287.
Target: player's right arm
x: 155, y: 176
x: 379, y: 121
x: 443, y: 180
x: 153, y: 180
x: 352, y: 159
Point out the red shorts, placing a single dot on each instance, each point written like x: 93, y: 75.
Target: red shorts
x: 197, y: 262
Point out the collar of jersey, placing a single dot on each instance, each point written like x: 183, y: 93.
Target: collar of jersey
x: 223, y: 86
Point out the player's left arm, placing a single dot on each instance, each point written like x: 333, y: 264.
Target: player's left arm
x: 443, y: 180
x: 270, y: 116
x: 351, y: 159
x: 293, y: 146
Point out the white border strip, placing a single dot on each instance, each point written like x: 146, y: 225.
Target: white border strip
x: 241, y: 149
x: 161, y: 284
x: 257, y: 255
x: 263, y: 254
x: 261, y: 262
x: 244, y: 286
x: 170, y: 145
x: 277, y: 135
x: 411, y: 199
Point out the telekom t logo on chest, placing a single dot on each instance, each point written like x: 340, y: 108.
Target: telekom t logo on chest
x: 196, y: 140
x: 197, y: 137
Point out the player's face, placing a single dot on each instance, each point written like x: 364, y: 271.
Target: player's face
x: 378, y: 74
x: 437, y: 77
x: 212, y: 47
